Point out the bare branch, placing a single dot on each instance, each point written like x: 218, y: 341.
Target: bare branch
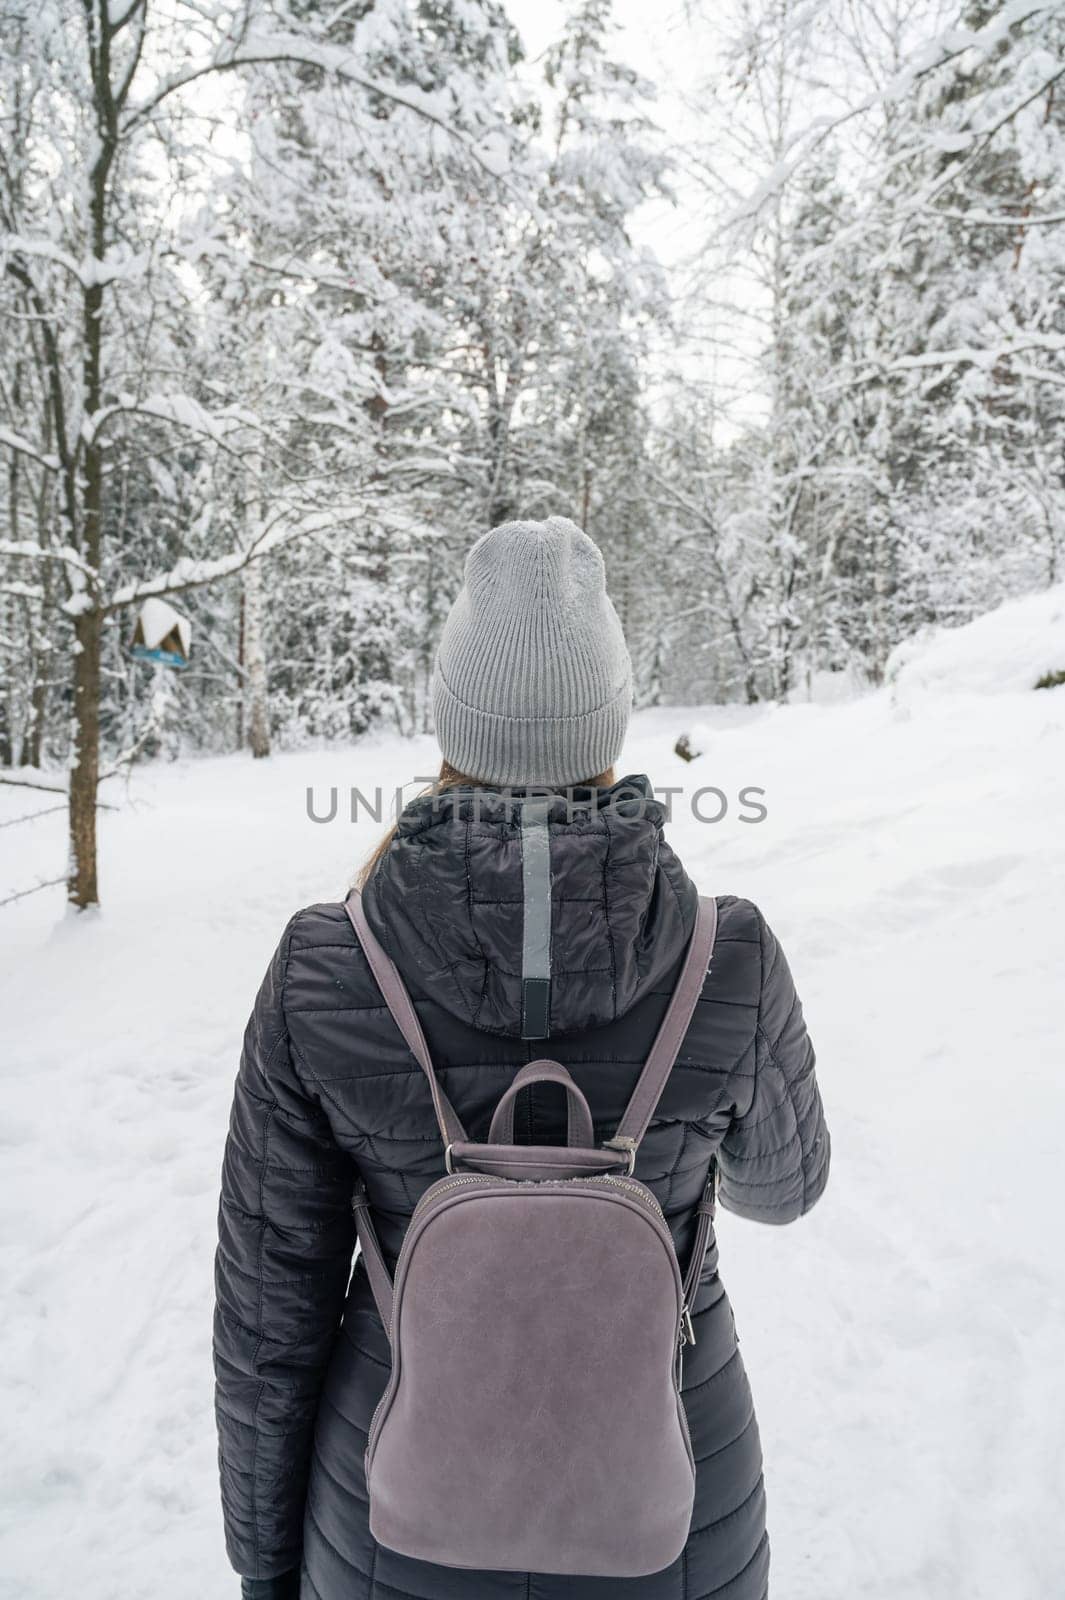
x: 28, y: 783
x: 20, y: 894
x: 31, y: 816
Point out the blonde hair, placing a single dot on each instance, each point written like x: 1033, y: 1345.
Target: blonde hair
x: 450, y: 778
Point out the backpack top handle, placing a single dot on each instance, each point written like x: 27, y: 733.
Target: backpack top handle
x: 579, y: 1129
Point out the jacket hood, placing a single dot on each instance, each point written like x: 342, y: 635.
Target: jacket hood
x: 450, y: 902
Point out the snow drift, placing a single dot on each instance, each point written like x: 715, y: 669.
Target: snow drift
x: 1005, y: 650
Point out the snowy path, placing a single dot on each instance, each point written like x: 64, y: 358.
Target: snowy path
x: 904, y: 1341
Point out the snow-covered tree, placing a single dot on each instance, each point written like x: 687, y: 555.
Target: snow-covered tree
x: 101, y: 288
x: 897, y: 163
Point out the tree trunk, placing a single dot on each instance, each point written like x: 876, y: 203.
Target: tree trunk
x: 38, y: 663
x: 242, y: 664
x: 88, y: 626
x: 84, y: 774
x: 256, y: 701
x: 33, y: 742
x: 82, y: 888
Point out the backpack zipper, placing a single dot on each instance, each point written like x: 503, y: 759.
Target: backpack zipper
x: 452, y: 1183
x: 635, y: 1189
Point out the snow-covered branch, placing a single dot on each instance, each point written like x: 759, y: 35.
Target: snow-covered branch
x: 189, y: 573
x: 26, y: 550
x: 978, y: 218
x: 950, y: 46
x: 986, y: 358
x: 180, y: 410
x: 41, y: 248
x: 260, y: 48
x: 23, y: 447
x: 980, y: 356
x: 113, y: 266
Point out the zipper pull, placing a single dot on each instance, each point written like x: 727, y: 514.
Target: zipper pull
x: 687, y: 1326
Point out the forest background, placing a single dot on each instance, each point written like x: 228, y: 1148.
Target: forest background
x: 297, y: 298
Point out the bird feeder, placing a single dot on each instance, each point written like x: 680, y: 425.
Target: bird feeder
x: 162, y: 635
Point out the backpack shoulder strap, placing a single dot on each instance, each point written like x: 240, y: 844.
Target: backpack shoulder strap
x: 652, y: 1079
x: 670, y: 1035
x: 399, y: 1003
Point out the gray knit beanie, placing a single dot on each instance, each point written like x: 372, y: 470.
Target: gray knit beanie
x: 533, y: 683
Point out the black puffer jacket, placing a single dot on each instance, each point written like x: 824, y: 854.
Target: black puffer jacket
x: 327, y: 1088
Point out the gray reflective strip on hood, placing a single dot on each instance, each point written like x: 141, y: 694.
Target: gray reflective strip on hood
x: 536, y: 918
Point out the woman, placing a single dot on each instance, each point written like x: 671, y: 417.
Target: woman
x: 532, y: 688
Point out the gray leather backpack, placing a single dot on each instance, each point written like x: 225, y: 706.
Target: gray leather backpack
x: 532, y: 1421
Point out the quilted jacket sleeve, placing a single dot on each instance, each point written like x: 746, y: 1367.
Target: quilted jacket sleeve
x: 774, y: 1159
x: 286, y: 1237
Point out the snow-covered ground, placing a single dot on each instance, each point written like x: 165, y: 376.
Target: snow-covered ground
x: 904, y: 1341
